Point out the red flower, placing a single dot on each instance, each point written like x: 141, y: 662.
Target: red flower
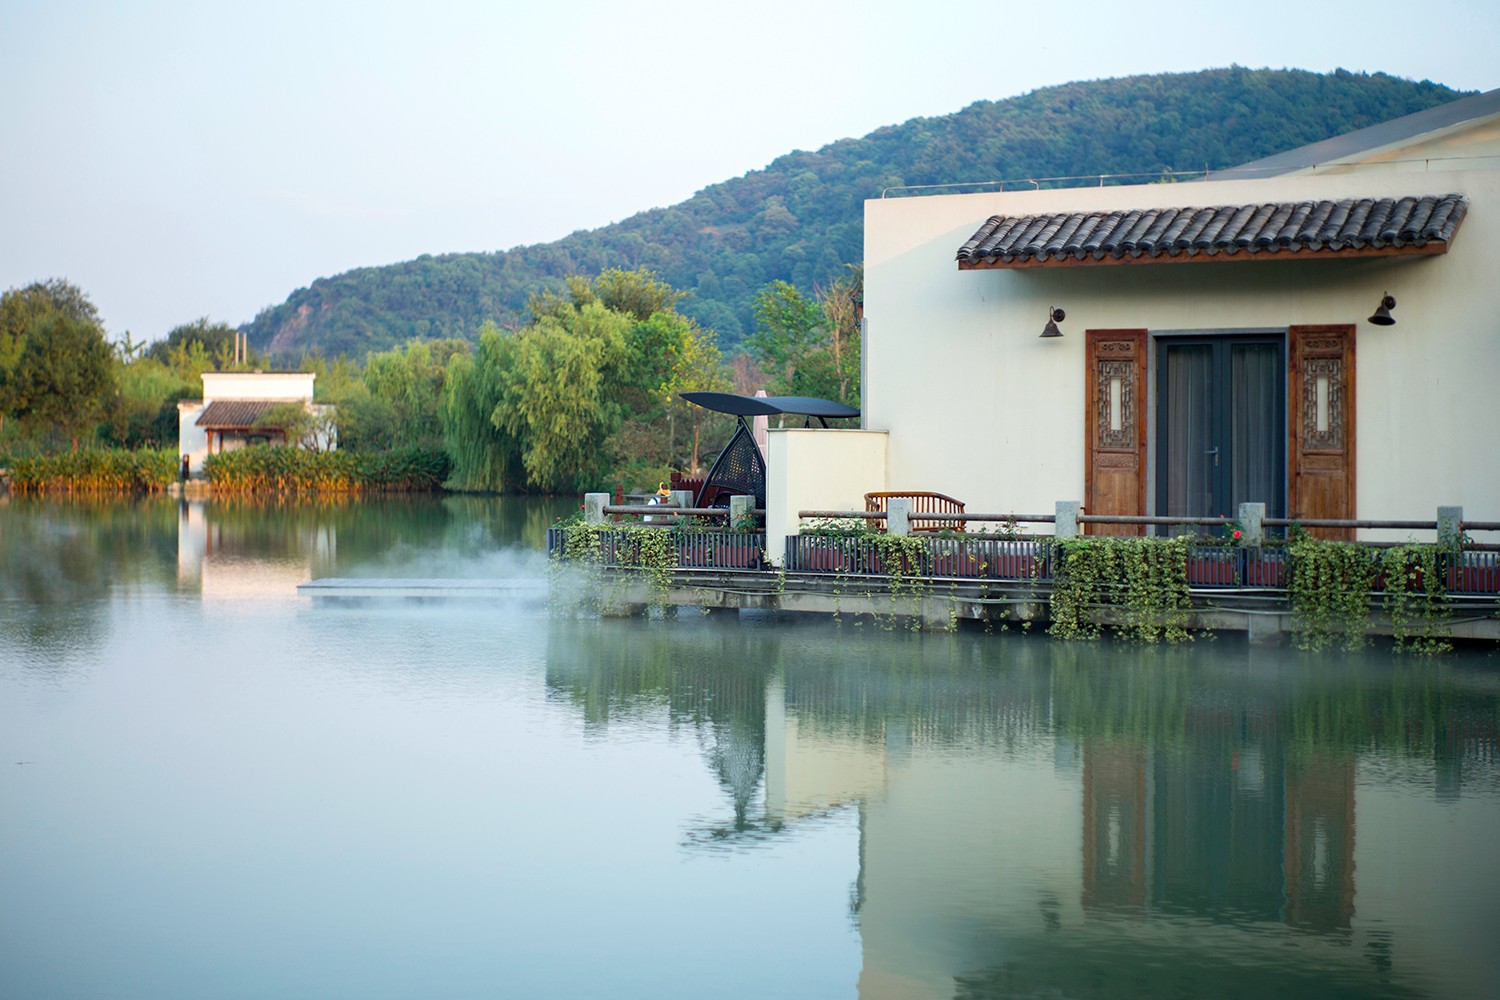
x: 1236, y: 534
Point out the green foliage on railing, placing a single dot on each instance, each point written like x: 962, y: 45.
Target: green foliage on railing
x: 651, y: 550
x: 1330, y: 586
x: 1138, y: 585
x: 93, y: 471
x: 1416, y: 598
x: 280, y: 471
x: 1333, y: 588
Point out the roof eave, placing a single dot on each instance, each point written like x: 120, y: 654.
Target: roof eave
x: 1430, y: 249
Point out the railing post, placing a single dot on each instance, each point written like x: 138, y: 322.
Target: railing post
x: 593, y: 507
x: 681, y: 498
x: 1066, y: 525
x: 1252, y: 531
x: 739, y: 510
x: 1450, y: 525
x: 898, y: 515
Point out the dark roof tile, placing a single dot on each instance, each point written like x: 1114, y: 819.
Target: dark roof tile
x: 237, y: 414
x: 1424, y: 224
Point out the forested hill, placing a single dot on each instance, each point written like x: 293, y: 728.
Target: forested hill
x: 801, y: 218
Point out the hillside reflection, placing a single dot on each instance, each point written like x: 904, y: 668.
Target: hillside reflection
x: 1033, y: 813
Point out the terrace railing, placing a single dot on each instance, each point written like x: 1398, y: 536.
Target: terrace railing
x: 1467, y: 568
x: 701, y: 537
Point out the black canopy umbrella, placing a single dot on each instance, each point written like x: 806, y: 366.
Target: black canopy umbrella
x: 740, y: 469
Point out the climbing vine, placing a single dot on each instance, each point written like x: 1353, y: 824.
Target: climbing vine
x: 652, y: 551
x: 1416, y: 598
x: 903, y: 559
x: 1330, y: 588
x: 1138, y: 585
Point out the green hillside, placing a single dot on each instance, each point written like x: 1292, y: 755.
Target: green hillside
x: 801, y: 218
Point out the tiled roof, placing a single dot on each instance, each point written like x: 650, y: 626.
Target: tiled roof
x: 1286, y: 230
x: 236, y: 414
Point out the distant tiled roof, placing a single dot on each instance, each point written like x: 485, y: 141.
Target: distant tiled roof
x: 1275, y: 231
x: 236, y: 414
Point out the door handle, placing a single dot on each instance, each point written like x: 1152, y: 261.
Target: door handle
x: 1215, y: 453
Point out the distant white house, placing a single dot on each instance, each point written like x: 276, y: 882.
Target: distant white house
x: 1222, y: 341
x: 231, y: 413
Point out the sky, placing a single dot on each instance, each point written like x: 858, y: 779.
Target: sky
x: 206, y: 159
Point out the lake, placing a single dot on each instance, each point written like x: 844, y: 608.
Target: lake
x: 211, y: 786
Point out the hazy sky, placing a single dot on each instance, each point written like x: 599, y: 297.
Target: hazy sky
x: 178, y: 160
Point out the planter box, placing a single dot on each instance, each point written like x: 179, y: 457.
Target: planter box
x: 1261, y: 571
x: 1014, y: 566
x: 719, y: 551
x: 1474, y: 579
x: 1217, y: 569
x: 824, y: 558
x: 958, y: 564
x: 874, y: 563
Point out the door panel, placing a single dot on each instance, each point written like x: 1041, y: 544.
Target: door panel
x: 1187, y: 454
x: 1221, y: 406
x: 1257, y: 458
x: 1321, y: 426
x: 1115, y: 426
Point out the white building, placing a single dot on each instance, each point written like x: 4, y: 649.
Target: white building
x: 1217, y: 340
x: 230, y: 414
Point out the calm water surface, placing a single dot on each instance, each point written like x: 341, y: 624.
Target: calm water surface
x: 212, y: 787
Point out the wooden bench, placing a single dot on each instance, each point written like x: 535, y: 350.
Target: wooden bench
x: 924, y: 505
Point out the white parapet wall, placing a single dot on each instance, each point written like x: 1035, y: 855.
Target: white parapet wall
x: 818, y: 469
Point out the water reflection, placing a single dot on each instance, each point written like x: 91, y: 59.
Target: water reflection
x: 1000, y: 815
x: 1096, y: 820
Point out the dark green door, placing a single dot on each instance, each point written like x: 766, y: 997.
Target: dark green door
x: 1221, y: 425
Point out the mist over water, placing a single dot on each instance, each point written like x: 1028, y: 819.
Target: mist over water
x: 210, y: 786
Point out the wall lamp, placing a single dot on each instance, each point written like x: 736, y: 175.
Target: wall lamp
x: 1054, y: 317
x: 1383, y: 315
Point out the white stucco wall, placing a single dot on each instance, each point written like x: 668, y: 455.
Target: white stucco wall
x: 818, y: 469
x: 258, y: 385
x: 977, y: 406
x: 192, y: 440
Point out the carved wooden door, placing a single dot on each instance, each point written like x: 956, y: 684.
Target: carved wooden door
x: 1115, y: 405
x: 1321, y: 426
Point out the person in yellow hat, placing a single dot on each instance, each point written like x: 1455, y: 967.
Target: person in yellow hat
x: 663, y: 496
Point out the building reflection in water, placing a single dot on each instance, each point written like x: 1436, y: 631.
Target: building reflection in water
x: 229, y: 553
x: 1104, y: 821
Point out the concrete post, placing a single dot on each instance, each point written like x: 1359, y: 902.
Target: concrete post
x: 593, y: 507
x: 1252, y: 530
x: 1067, y: 518
x: 739, y: 510
x: 1450, y: 525
x: 681, y: 498
x: 898, y: 515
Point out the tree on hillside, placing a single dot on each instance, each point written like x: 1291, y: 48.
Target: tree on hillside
x: 788, y: 327
x: 199, y: 346
x: 55, y: 365
x: 810, y: 347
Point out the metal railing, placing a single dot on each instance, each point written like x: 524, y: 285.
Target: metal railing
x: 705, y: 548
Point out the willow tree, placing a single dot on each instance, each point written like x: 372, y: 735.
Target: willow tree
x: 407, y: 381
x: 485, y: 458
x: 584, y: 394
